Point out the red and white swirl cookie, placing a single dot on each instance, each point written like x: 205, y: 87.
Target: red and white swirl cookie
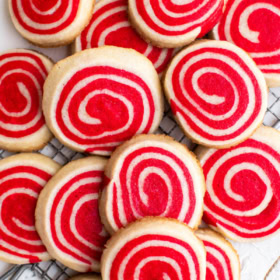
x: 222, y: 261
x: 98, y: 98
x: 174, y: 23
x: 86, y: 277
x: 68, y: 218
x: 154, y: 248
x: 217, y: 93
x: 22, y: 124
x: 22, y: 178
x: 242, y: 26
x: 50, y: 23
x: 110, y: 26
x: 152, y: 175
x: 243, y: 196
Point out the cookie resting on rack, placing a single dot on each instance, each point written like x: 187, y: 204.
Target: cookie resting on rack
x: 98, y: 98
x: 176, y: 23
x: 67, y: 215
x: 86, y: 277
x: 222, y: 261
x: 110, y: 26
x: 254, y: 26
x: 216, y: 92
x: 50, y: 23
x: 242, y: 200
x: 22, y: 124
x: 22, y: 178
x: 152, y: 175
x: 154, y: 248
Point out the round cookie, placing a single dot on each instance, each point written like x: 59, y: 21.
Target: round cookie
x: 67, y: 216
x: 22, y: 178
x: 50, y: 23
x: 216, y: 92
x: 98, y: 98
x: 242, y: 26
x: 172, y: 23
x: 109, y: 25
x: 222, y: 261
x: 86, y: 277
x: 243, y: 197
x: 152, y: 175
x: 154, y: 248
x: 22, y: 124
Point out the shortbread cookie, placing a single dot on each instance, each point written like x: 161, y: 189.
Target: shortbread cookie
x: 22, y: 177
x: 243, y: 195
x: 152, y: 175
x: 254, y: 26
x: 67, y: 216
x: 173, y: 24
x: 98, y: 98
x: 50, y: 23
x: 22, y: 124
x: 217, y: 93
x: 86, y: 277
x: 154, y: 248
x: 110, y: 26
x: 222, y: 260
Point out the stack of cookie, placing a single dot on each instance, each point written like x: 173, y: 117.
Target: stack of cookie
x: 131, y: 208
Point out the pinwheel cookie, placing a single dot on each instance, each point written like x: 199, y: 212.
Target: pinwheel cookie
x: 154, y: 248
x: 243, y: 197
x: 86, y: 277
x: 254, y: 26
x: 173, y: 24
x: 22, y: 178
x: 22, y: 124
x: 152, y: 175
x: 216, y: 92
x: 110, y: 26
x: 98, y: 98
x: 222, y: 261
x: 50, y: 23
x: 67, y: 216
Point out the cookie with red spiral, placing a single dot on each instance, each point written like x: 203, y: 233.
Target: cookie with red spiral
x: 217, y: 93
x: 222, y: 261
x: 98, y: 98
x: 86, y: 277
x: 154, y: 248
x: 242, y: 26
x: 242, y: 200
x: 22, y: 178
x: 110, y: 26
x: 22, y: 76
x: 50, y: 23
x: 174, y: 23
x: 152, y: 175
x: 68, y: 218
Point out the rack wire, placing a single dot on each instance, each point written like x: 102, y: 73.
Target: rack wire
x: 53, y: 270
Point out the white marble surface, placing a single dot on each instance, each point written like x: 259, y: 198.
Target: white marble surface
x: 256, y: 258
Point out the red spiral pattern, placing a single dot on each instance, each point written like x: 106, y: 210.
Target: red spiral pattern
x: 74, y: 232
x: 243, y: 197
x: 22, y: 76
x: 216, y: 92
x: 110, y: 26
x: 165, y: 250
x: 175, y: 19
x: 242, y: 26
x: 44, y: 17
x: 221, y: 260
x: 152, y: 179
x: 99, y: 107
x: 20, y: 185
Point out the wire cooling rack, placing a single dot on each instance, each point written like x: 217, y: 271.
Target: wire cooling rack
x: 53, y: 270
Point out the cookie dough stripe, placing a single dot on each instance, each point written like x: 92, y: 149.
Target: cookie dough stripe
x: 160, y: 25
